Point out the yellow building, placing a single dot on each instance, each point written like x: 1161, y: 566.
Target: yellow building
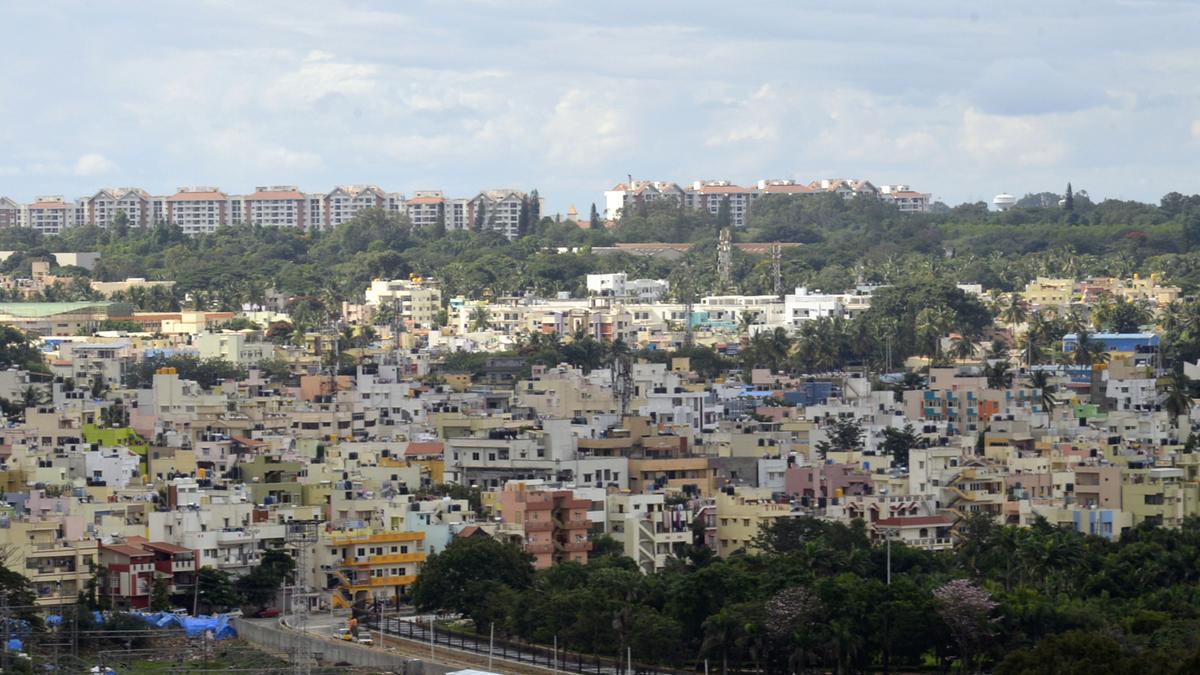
x: 742, y: 515
x: 1162, y: 496
x: 59, y: 570
x: 366, y: 566
x: 673, y: 475
x: 1049, y: 292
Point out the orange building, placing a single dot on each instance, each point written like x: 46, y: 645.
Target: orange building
x: 554, y: 523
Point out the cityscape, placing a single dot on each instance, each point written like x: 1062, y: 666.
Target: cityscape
x: 620, y: 419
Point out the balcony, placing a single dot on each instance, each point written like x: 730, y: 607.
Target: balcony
x: 574, y: 546
x: 538, y: 525
x: 376, y: 582
x: 540, y: 547
x: 385, y: 559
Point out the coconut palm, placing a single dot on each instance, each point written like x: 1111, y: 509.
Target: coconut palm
x: 999, y: 375
x: 1014, y: 310
x: 1040, y: 380
x: 481, y: 318
x: 1176, y: 399
x: 963, y: 348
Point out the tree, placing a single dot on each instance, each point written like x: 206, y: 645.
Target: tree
x: 966, y: 610
x: 594, y: 221
x: 160, y: 598
x: 962, y: 348
x: 262, y: 584
x: 998, y: 374
x: 1040, y: 380
x: 1069, y: 200
x: 481, y: 216
x: 460, y: 576
x: 1176, y: 399
x: 18, y: 593
x: 898, y: 442
x: 724, y: 214
x: 481, y: 318
x: 216, y: 591
x: 17, y: 349
x: 1014, y: 311
x: 844, y: 433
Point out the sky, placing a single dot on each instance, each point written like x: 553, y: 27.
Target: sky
x: 960, y: 99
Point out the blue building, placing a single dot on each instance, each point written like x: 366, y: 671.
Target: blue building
x: 1115, y: 342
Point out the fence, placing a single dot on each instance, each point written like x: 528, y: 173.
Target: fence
x: 535, y: 655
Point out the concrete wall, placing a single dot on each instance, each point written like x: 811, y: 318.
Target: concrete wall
x: 270, y: 637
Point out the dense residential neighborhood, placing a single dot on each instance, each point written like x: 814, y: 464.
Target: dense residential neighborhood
x: 509, y: 425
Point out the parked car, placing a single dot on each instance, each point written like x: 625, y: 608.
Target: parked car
x: 365, y: 640
x: 268, y: 613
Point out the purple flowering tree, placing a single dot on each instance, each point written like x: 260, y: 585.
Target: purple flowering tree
x: 966, y: 609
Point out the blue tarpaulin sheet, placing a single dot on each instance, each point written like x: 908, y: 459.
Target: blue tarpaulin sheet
x: 194, y: 626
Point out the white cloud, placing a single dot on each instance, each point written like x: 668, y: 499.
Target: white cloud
x: 586, y: 128
x: 1023, y: 141
x: 320, y: 77
x: 1196, y: 130
x: 94, y: 164
x: 244, y: 145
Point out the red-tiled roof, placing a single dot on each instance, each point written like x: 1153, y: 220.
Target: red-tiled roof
x: 48, y: 205
x: 165, y: 547
x: 248, y: 442
x: 417, y: 448
x: 787, y: 189
x: 274, y: 194
x: 425, y: 200
x: 914, y: 521
x: 468, y: 531
x: 127, y: 550
x: 721, y: 189
x: 196, y: 196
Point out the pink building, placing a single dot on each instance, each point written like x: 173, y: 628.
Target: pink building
x: 554, y: 522
x: 826, y: 481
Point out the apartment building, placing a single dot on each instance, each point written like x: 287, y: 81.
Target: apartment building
x: 416, y: 301
x: 364, y: 566
x: 274, y: 206
x: 10, y: 213
x: 708, y: 195
x: 554, y: 523
x: 742, y: 514
x: 905, y: 198
x: 426, y: 208
x: 650, y: 530
x: 51, y: 214
x: 199, y: 210
x: 102, y: 207
x: 625, y: 196
x: 346, y: 201
x: 498, y: 211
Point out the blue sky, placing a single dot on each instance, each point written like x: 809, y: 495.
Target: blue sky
x: 961, y: 99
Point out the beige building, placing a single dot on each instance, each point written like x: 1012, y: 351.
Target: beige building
x: 742, y: 515
x: 197, y: 210
x: 417, y: 301
x: 275, y: 206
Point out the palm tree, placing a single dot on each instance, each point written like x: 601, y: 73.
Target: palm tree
x: 1176, y: 399
x: 481, y: 318
x: 998, y: 375
x: 963, y: 348
x: 1014, y: 310
x: 1040, y: 380
x: 932, y: 324
x: 1088, y: 352
x: 32, y: 397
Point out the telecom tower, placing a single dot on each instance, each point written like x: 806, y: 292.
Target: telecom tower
x: 725, y: 262
x: 777, y: 268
